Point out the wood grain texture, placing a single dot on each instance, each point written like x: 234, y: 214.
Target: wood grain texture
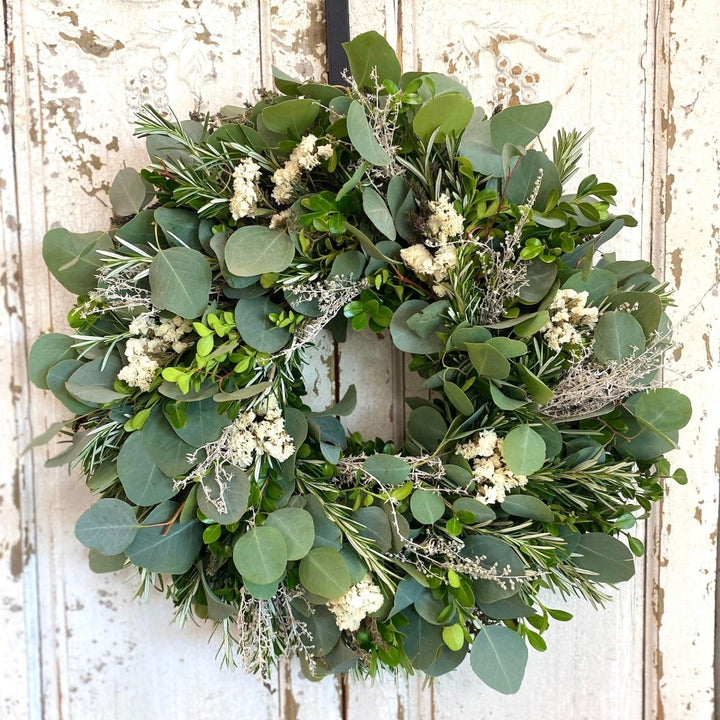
x: 682, y: 638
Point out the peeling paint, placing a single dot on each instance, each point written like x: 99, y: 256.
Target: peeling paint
x: 89, y: 43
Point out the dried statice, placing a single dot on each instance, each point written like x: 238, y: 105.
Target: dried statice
x: 267, y: 629
x: 119, y: 290
x: 362, y: 599
x: 588, y: 386
x: 332, y: 295
x: 505, y: 275
x: 381, y: 111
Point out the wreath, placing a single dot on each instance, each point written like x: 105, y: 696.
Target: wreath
x: 396, y: 205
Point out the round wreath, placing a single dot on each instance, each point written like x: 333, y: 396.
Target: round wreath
x: 389, y: 204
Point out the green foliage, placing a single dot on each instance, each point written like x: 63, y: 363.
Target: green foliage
x: 537, y: 442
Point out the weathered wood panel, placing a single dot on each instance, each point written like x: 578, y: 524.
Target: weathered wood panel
x: 76, y: 72
x: 683, y: 662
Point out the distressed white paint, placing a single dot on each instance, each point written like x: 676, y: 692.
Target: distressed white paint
x: 77, y: 645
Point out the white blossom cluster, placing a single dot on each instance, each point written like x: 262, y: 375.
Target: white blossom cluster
x: 568, y: 313
x: 258, y: 433
x: 245, y: 193
x: 306, y: 155
x: 280, y: 220
x: 443, y: 224
x: 432, y: 267
x: 153, y: 338
x: 494, y: 478
x: 357, y: 603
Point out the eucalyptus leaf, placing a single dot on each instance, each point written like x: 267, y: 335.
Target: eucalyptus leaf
x: 427, y: 506
x: 362, y: 137
x: 375, y: 526
x: 142, y: 480
x: 608, y: 559
x: 404, y: 338
x: 527, y: 506
x: 487, y: 361
x: 323, y: 572
x: 297, y: 528
x: 225, y: 505
x: 56, y: 378
x: 427, y: 427
x: 401, y: 201
x: 519, y: 124
x: 180, y: 281
x: 387, y: 469
x: 378, y: 213
x: 46, y: 351
x: 181, y: 227
x: 597, y: 283
x: 168, y: 451
x: 292, y: 117
x: 204, y: 423
x: 94, y: 380
x: 256, y: 328
x: 73, y: 258
x: 370, y: 54
x: 261, y: 555
x: 129, y: 193
x: 108, y: 526
x: 163, y: 548
x: 481, y: 513
x: 499, y: 657
x: 445, y: 115
x: 524, y: 450
x: 618, y: 335
x: 256, y: 249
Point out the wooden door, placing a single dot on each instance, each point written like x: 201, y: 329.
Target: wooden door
x: 643, y: 74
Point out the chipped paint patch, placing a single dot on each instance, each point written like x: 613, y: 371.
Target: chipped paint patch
x: 90, y: 43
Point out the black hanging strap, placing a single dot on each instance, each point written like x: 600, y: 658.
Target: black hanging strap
x: 337, y: 23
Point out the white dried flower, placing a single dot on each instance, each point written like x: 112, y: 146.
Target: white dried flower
x: 492, y: 476
x: 305, y: 156
x: 142, y: 365
x: 245, y: 194
x: 261, y: 433
x: 569, y: 314
x: 154, y: 338
x: 280, y: 220
x: 444, y: 222
x: 357, y: 603
x: 431, y: 267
